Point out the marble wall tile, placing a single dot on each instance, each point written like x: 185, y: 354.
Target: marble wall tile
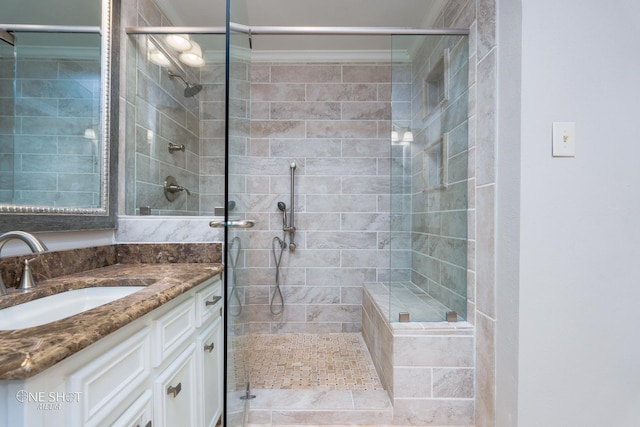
x: 341, y: 129
x: 334, y: 313
x: 486, y: 130
x: 453, y: 383
x: 485, y: 249
x: 485, y: 354
x: 433, y: 351
x: 343, y: 240
x: 279, y: 92
x: 292, y: 73
x: 366, y: 73
x: 412, y: 382
x: 305, y: 110
x: 454, y: 412
x: 341, y: 92
x: 486, y: 21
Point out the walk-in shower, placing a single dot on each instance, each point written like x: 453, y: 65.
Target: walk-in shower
x: 372, y: 217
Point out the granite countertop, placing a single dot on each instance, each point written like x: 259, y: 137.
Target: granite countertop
x: 27, y: 352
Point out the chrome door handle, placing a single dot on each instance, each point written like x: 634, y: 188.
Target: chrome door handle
x: 241, y: 223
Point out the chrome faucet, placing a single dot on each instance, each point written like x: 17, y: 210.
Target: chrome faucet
x: 36, y: 246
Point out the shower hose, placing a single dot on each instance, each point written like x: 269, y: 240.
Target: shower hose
x: 277, y: 257
x: 233, y: 261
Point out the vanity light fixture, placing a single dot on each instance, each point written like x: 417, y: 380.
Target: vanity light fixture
x: 180, y: 42
x: 193, y: 56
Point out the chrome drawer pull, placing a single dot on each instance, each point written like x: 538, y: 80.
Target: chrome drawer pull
x: 214, y: 301
x: 174, y: 390
x: 209, y: 347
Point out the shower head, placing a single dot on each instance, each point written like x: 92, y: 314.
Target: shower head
x: 283, y: 208
x: 191, y: 88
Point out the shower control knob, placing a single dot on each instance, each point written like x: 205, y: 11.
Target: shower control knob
x: 175, y: 147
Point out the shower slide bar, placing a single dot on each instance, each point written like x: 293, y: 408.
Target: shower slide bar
x: 291, y: 227
x: 283, y: 30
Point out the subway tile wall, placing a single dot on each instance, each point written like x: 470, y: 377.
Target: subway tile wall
x: 333, y: 121
x: 49, y: 156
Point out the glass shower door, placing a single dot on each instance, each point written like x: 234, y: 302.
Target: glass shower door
x: 239, y: 220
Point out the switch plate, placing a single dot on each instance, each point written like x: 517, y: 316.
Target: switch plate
x: 564, y: 139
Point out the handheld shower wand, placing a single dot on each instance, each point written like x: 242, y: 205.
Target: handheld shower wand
x: 283, y: 208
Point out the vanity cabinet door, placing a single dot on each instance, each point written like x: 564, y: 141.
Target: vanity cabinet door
x: 172, y: 330
x: 107, y: 384
x: 209, y: 348
x: 175, y: 399
x: 139, y: 414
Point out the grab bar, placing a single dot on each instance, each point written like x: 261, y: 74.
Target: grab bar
x: 243, y: 223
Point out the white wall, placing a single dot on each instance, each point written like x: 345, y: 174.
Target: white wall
x: 579, y: 277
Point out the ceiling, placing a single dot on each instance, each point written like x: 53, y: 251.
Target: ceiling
x: 211, y: 13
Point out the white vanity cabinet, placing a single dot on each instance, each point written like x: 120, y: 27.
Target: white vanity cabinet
x: 163, y: 369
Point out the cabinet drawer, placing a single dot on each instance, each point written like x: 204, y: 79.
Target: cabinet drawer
x: 208, y: 302
x: 174, y: 392
x: 108, y: 381
x: 172, y: 330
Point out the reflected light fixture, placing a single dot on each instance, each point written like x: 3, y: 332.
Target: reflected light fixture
x: 179, y: 42
x: 159, y: 58
x: 193, y: 56
x: 407, y: 135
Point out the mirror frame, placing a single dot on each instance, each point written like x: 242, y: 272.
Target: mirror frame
x: 49, y: 218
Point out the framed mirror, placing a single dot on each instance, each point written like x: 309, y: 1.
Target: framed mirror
x: 58, y: 113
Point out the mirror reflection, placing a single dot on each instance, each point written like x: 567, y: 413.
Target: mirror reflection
x: 53, y: 154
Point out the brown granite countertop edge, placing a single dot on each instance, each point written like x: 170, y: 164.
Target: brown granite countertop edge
x: 63, y: 338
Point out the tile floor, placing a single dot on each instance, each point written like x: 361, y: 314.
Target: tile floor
x: 338, y: 361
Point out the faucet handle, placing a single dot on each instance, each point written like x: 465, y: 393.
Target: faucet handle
x: 27, y: 282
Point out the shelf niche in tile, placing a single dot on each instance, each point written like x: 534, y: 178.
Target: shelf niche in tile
x: 434, y: 166
x: 436, y: 86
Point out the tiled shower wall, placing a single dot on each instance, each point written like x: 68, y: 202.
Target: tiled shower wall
x: 480, y: 17
x: 333, y: 121
x: 50, y: 159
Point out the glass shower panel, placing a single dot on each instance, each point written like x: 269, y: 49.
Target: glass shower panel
x: 429, y: 177
x: 238, y: 207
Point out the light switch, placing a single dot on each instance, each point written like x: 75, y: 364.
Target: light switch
x: 564, y: 139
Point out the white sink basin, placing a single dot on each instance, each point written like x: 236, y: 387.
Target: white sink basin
x: 58, y: 306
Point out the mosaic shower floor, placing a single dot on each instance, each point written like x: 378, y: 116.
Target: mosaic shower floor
x: 339, y: 361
